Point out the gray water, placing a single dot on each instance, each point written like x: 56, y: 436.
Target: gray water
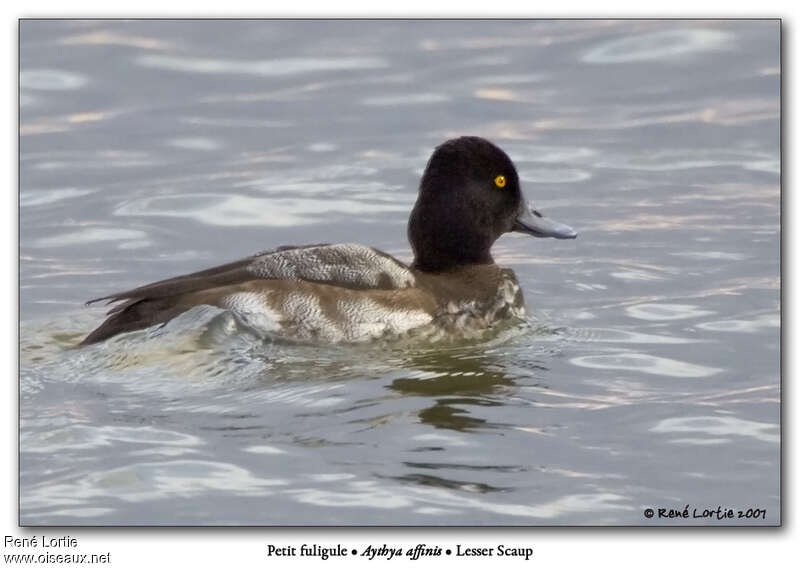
x: 648, y: 375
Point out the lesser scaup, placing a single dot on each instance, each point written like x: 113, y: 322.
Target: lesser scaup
x: 469, y: 196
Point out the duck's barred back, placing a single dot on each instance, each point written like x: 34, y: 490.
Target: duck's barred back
x: 346, y: 264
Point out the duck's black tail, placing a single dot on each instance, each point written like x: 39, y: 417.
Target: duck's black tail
x: 134, y: 314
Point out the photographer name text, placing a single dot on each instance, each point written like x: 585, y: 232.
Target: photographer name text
x: 709, y: 513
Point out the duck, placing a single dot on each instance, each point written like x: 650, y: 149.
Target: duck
x: 469, y: 195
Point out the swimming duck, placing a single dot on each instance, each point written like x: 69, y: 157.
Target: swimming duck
x: 468, y: 197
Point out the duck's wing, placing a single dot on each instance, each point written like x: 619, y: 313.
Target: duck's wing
x: 346, y: 265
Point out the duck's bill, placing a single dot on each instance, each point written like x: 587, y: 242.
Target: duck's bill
x: 534, y: 223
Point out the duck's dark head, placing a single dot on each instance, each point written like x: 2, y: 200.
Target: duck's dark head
x: 468, y: 197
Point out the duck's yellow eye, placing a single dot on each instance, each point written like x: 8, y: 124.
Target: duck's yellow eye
x: 500, y: 181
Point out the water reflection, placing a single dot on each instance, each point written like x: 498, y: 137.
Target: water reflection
x: 458, y: 383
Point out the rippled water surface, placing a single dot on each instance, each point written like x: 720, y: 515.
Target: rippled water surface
x: 648, y: 375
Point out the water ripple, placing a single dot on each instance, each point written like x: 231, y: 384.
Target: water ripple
x: 663, y: 312
x: 553, y: 176
x: 84, y: 437
x: 131, y: 238
x: 724, y: 426
x: 150, y: 481
x: 240, y: 210
x: 51, y: 80
x: 268, y: 67
x: 658, y: 46
x: 743, y: 326
x: 194, y: 143
x: 645, y: 363
x: 406, y: 99
x: 626, y: 337
x: 32, y: 197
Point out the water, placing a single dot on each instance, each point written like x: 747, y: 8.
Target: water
x: 648, y: 375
